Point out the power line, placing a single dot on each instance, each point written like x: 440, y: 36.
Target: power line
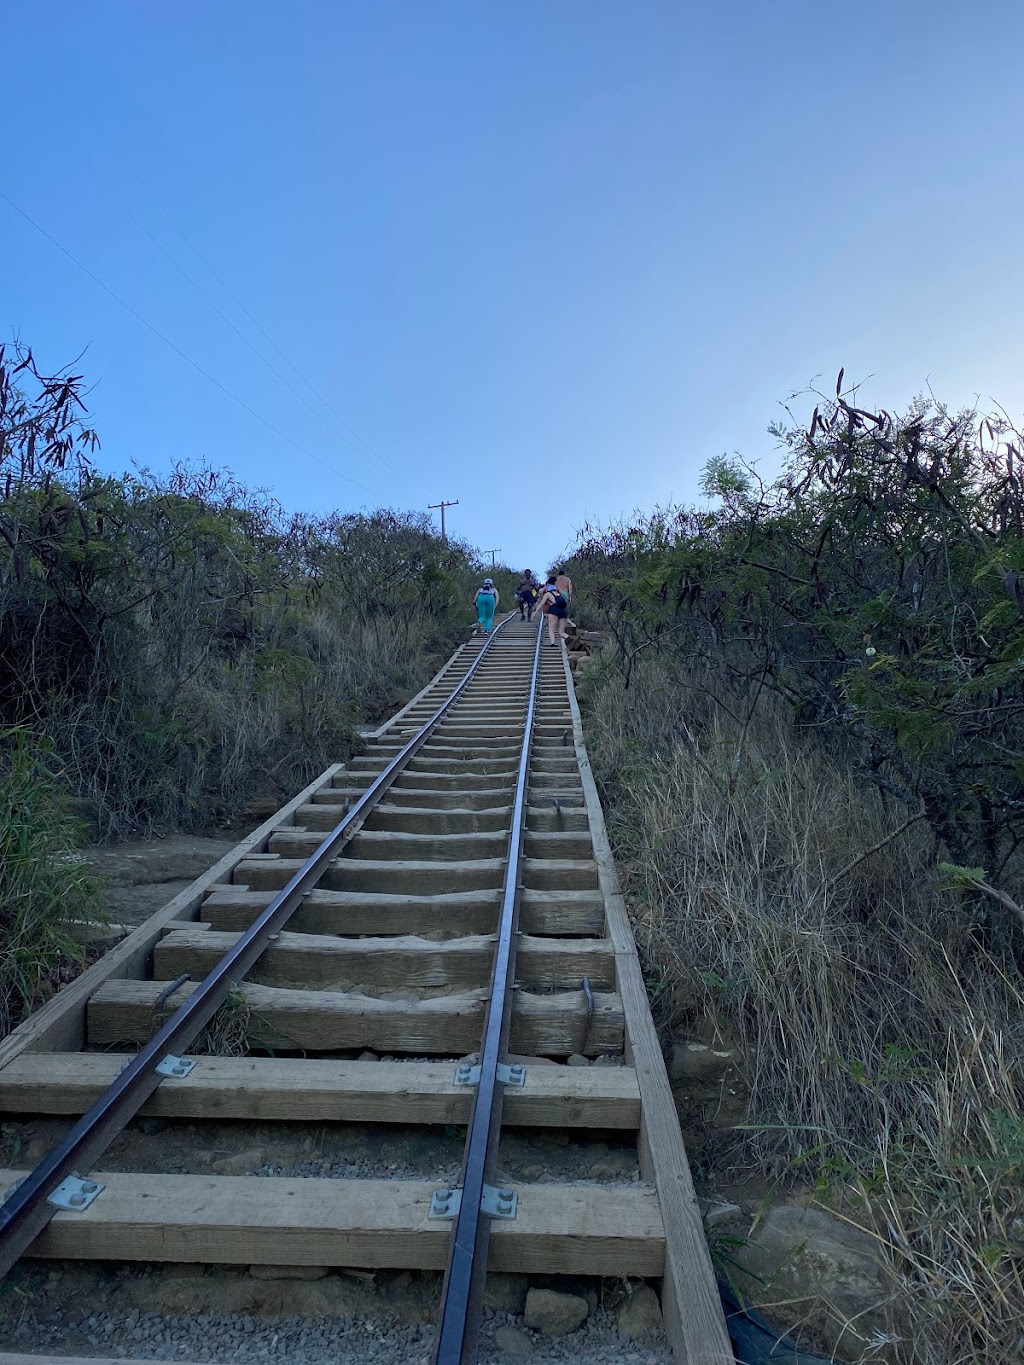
x: 443, y: 505
x: 238, y: 332
x: 263, y: 332
x: 177, y: 349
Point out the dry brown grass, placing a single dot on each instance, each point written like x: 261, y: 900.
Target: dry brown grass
x: 880, y: 1022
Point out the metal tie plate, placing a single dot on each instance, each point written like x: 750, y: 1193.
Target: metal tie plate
x: 175, y: 1066
x: 514, y: 1074
x: 74, y: 1194
x: 497, y: 1203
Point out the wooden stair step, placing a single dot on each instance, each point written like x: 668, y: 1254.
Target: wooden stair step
x: 398, y: 845
x: 423, y: 820
x: 240, y: 1220
x: 394, y: 877
x: 574, y: 913
x: 265, y: 1089
x: 553, y: 1025
x: 326, y: 962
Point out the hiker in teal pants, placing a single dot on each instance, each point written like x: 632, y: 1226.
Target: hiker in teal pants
x: 486, y: 605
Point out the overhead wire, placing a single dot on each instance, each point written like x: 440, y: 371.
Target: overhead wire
x: 352, y: 436
x: 177, y: 349
x: 263, y: 332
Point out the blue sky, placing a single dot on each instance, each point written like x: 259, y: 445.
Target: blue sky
x: 543, y: 256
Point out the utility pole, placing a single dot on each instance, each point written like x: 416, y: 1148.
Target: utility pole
x: 442, y: 504
x: 492, y: 553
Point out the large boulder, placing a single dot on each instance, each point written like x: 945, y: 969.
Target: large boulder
x: 805, y: 1265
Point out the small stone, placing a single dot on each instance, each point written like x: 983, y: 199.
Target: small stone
x: 288, y: 1272
x: 150, y: 1127
x: 241, y: 1163
x: 577, y: 1059
x: 505, y: 1293
x: 615, y: 1164
x: 639, y: 1313
x: 714, y: 1211
x: 369, y: 1055
x: 556, y: 1137
x: 511, y: 1342
x: 553, y: 1313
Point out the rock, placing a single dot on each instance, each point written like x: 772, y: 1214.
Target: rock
x: 554, y: 1314
x: 369, y: 1056
x: 639, y: 1313
x: 715, y: 1211
x: 828, y: 1274
x: 522, y: 1060
x: 555, y: 1137
x: 150, y: 1127
x: 577, y: 1059
x: 288, y: 1272
x: 533, y: 1172
x: 614, y: 1164
x: 698, y: 1062
x: 181, y: 858
x: 511, y: 1342
x: 505, y: 1293
x: 241, y: 1163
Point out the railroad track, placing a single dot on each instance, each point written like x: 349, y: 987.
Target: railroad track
x: 447, y: 900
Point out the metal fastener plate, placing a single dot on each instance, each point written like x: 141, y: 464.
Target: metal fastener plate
x: 175, y: 1066
x: 507, y: 1075
x: 74, y: 1194
x: 497, y: 1203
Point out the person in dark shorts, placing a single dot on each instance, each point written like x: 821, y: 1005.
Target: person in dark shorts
x: 526, y: 595
x: 553, y: 604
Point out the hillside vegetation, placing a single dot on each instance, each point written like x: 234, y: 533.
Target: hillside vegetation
x: 171, y: 647
x: 182, y: 642
x: 808, y: 730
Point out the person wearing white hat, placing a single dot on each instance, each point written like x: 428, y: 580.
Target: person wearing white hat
x: 486, y: 605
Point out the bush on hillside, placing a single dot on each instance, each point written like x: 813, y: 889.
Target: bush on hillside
x: 183, y: 642
x: 808, y: 729
x: 42, y: 882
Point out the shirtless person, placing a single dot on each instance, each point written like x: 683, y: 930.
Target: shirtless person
x: 565, y: 584
x: 526, y: 595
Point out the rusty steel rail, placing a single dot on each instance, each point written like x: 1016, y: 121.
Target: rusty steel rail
x: 25, y: 1211
x: 462, y: 1295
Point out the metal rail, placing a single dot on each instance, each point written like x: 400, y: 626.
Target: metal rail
x: 462, y: 1295
x: 25, y: 1211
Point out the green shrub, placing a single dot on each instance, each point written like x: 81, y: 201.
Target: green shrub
x: 42, y: 882
x: 185, y: 643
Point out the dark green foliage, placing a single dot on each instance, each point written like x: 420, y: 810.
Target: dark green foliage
x: 42, y: 882
x: 874, y: 587
x: 184, y: 643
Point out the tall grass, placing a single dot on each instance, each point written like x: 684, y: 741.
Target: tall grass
x: 263, y: 723
x: 880, y: 1021
x: 42, y: 883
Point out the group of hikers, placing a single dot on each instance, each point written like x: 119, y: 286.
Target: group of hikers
x: 552, y: 598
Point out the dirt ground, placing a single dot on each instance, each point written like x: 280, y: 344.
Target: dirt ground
x: 139, y: 877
